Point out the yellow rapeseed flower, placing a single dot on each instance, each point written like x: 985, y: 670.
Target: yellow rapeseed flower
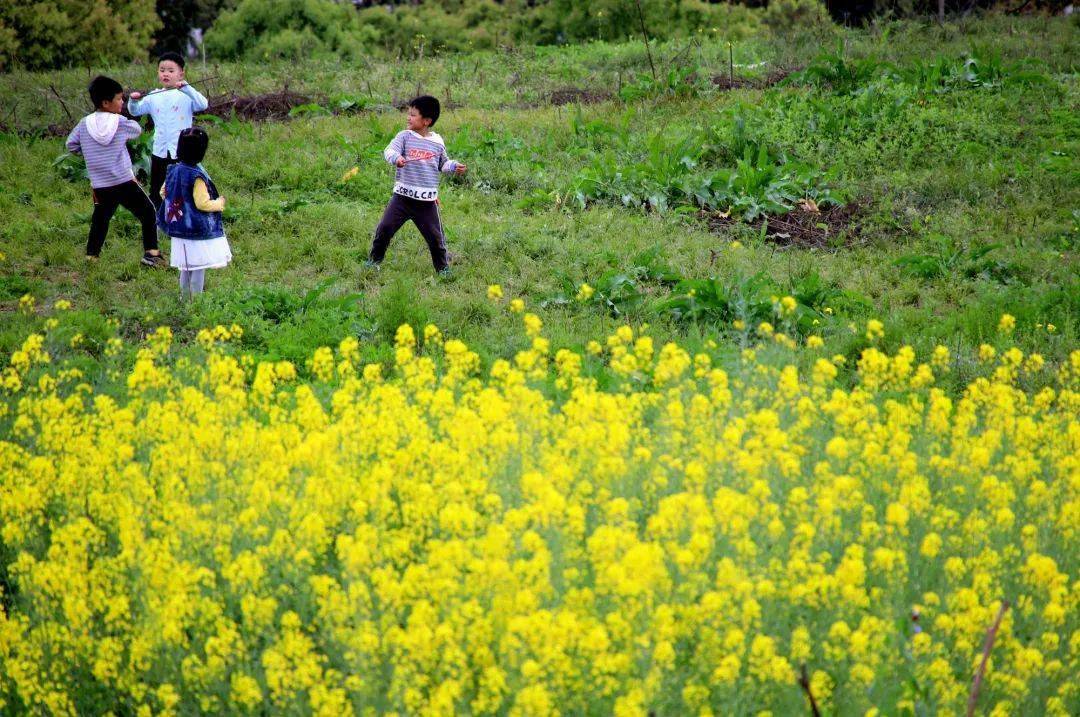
x: 553, y: 531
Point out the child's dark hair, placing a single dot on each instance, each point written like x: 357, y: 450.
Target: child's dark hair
x: 172, y: 57
x: 191, y: 147
x: 427, y: 106
x: 103, y: 89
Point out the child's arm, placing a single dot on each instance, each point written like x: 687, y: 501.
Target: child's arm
x: 203, y: 202
x: 130, y: 128
x: 73, y: 144
x: 395, y: 151
x: 450, y: 166
x: 198, y: 101
x: 142, y: 105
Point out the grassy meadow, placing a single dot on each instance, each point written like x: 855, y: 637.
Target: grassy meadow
x: 728, y: 378
x: 966, y: 192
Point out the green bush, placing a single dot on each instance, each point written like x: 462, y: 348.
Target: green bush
x: 484, y: 24
x: 734, y: 22
x: 562, y: 21
x: 40, y: 35
x: 784, y: 16
x: 287, y: 29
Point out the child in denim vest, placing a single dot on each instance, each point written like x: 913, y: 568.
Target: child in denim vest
x: 190, y: 214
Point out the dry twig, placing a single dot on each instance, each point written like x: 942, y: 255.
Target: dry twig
x: 61, y: 99
x: 645, y: 36
x: 804, y: 682
x: 988, y: 645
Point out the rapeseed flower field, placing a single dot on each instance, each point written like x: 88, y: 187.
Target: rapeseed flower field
x: 227, y: 536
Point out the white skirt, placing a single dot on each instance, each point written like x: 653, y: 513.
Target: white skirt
x: 195, y: 254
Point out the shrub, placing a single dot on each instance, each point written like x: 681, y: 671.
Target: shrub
x: 287, y: 29
x: 785, y: 16
x: 482, y: 24
x: 473, y: 24
x: 71, y: 32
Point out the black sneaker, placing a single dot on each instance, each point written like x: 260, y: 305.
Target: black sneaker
x: 153, y: 260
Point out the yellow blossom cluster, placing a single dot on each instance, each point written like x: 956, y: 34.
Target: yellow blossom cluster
x: 223, y: 536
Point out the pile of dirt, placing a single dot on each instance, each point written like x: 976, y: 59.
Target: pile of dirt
x: 725, y: 82
x: 805, y: 226
x: 268, y: 106
x: 402, y: 103
x: 577, y: 95
x: 52, y: 130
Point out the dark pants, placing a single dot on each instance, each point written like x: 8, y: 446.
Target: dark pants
x: 158, y: 167
x: 130, y: 196
x: 425, y: 215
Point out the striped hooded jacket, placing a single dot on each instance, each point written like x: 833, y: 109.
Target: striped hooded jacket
x: 101, y: 138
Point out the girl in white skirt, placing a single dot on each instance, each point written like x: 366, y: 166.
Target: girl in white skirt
x: 190, y: 214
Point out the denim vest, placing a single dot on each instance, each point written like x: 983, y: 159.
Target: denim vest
x: 177, y: 215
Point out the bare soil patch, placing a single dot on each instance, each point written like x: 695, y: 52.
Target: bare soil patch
x: 725, y: 82
x: 578, y: 95
x: 267, y: 106
x: 804, y: 226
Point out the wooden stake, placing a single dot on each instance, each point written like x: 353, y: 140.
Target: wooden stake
x: 731, y: 65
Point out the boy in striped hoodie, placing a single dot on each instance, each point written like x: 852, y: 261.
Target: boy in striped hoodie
x: 101, y: 138
x: 419, y: 155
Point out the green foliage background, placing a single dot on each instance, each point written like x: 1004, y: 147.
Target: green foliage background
x: 38, y: 34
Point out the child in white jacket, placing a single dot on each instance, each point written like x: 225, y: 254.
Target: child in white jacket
x: 171, y: 107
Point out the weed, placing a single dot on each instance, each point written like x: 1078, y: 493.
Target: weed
x: 838, y: 73
x: 397, y: 305
x: 310, y: 109
x: 714, y: 300
x: 672, y: 175
x: 13, y: 287
x: 678, y: 82
x: 949, y: 257
x: 622, y: 291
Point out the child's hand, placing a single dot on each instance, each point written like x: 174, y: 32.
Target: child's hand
x: 135, y: 96
x: 400, y: 162
x: 461, y: 168
x: 222, y: 202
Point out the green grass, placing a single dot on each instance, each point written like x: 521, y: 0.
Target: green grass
x: 969, y: 192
